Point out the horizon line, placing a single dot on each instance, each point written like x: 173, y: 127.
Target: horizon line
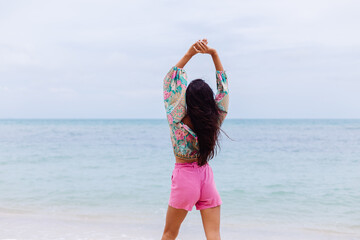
x: 166, y: 119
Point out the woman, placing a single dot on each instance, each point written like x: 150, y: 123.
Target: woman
x: 194, y: 118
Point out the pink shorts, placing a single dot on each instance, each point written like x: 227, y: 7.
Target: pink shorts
x: 193, y: 185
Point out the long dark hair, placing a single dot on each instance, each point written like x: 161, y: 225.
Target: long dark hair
x: 204, y: 115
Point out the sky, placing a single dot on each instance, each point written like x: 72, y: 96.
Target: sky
x: 107, y: 59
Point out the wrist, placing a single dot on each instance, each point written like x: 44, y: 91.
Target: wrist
x: 213, y: 52
x: 189, y: 55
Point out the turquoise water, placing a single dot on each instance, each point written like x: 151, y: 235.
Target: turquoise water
x: 295, y: 172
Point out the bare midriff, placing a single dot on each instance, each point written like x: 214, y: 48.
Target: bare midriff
x: 181, y: 160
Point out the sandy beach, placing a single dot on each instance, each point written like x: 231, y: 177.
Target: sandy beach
x: 30, y: 226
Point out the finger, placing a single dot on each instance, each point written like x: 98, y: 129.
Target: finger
x: 205, y: 40
x: 196, y: 42
x: 203, y: 46
x: 197, y: 45
x: 202, y: 42
x: 201, y: 49
x: 196, y: 49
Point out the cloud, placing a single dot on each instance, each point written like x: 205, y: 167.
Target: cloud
x: 119, y: 51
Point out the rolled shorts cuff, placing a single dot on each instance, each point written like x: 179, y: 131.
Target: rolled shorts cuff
x: 209, y: 206
x: 184, y: 208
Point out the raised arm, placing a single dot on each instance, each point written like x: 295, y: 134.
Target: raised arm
x: 222, y: 94
x: 189, y: 54
x: 202, y: 47
x: 216, y: 60
x: 175, y: 83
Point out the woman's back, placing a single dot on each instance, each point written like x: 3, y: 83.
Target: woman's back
x: 183, y: 135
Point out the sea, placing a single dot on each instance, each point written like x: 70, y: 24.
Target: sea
x: 110, y: 179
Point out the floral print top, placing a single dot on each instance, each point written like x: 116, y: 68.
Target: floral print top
x: 183, y: 139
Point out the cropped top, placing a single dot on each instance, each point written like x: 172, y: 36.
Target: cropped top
x: 183, y: 138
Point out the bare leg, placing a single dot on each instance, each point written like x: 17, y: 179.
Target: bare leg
x: 211, y: 221
x: 174, y: 218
